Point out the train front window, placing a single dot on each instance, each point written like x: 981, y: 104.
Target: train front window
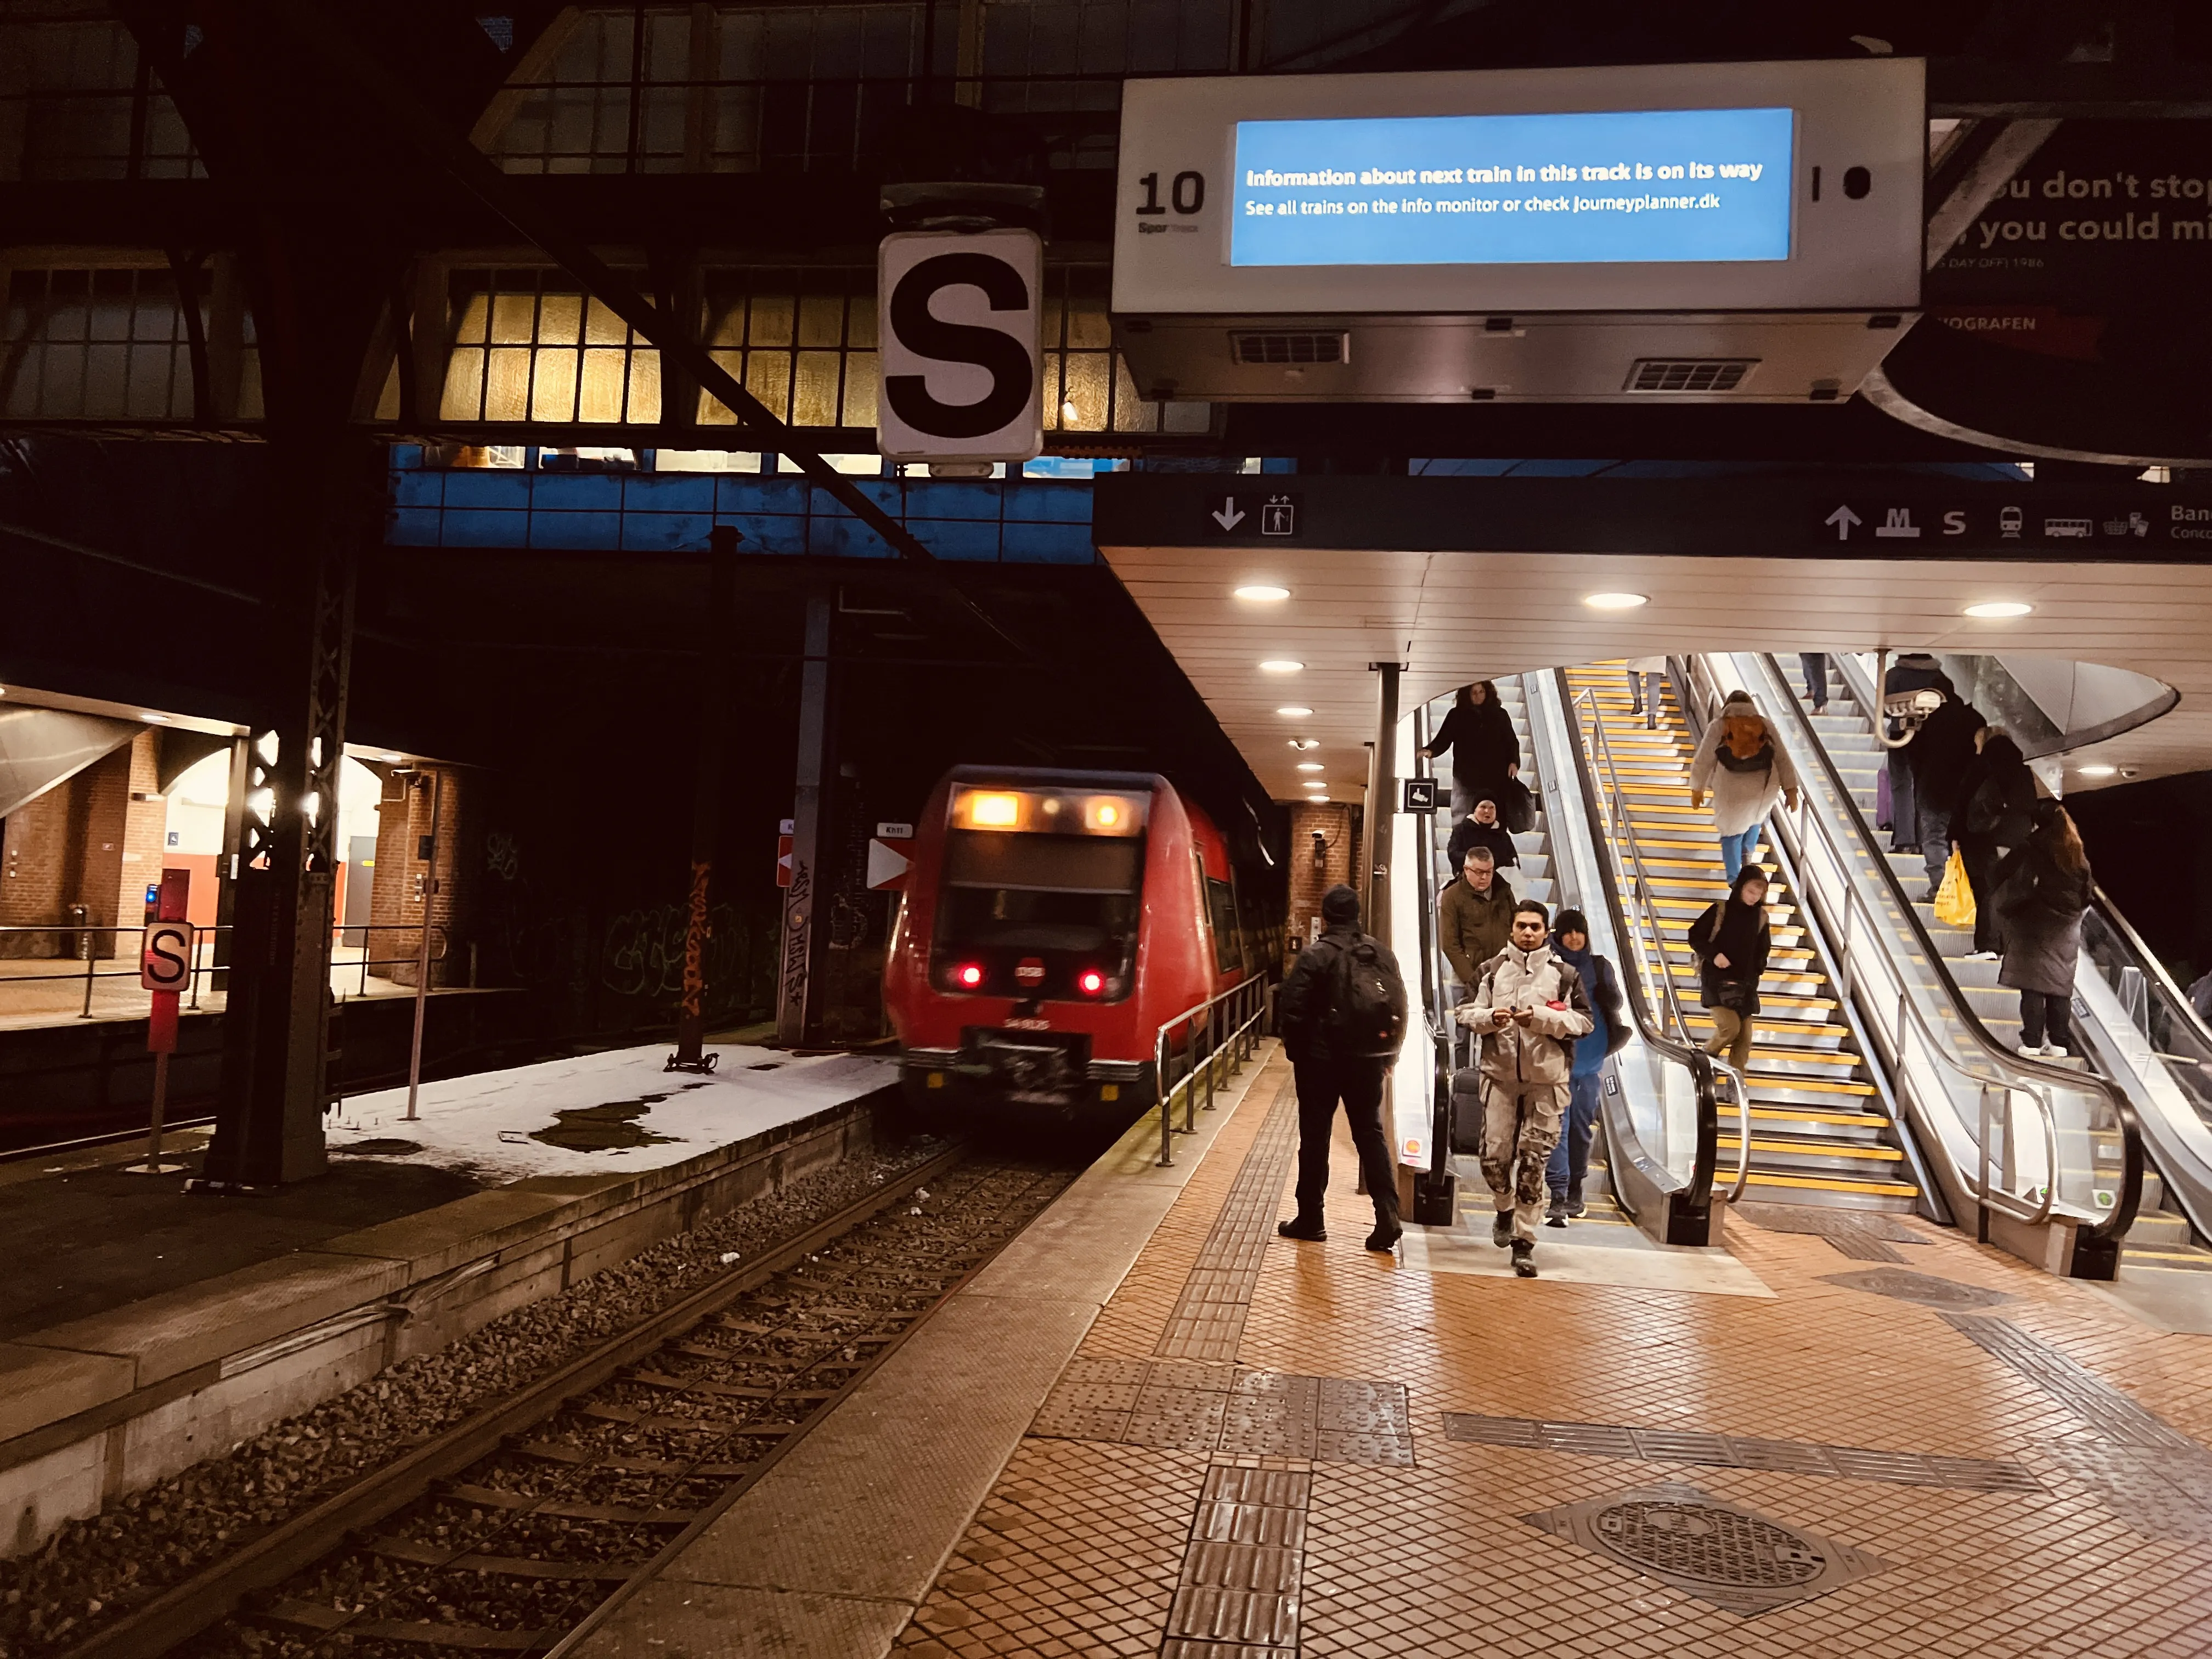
x: 1061, y: 896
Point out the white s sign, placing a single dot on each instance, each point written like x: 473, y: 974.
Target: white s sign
x: 959, y: 318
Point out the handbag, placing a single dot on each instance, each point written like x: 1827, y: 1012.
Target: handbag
x: 1955, y: 899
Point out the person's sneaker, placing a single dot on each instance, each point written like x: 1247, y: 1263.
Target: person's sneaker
x: 1557, y: 1215
x: 1979, y: 956
x: 2052, y: 1051
x: 1308, y: 1233
x: 1525, y: 1258
x: 1385, y: 1237
x: 1576, y: 1206
x: 1501, y: 1230
x: 2034, y: 1050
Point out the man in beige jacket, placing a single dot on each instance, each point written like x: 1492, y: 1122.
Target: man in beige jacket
x: 1530, y: 1006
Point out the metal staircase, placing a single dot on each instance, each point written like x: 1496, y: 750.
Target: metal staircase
x: 1821, y: 1133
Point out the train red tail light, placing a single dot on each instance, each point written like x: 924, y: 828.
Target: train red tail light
x: 1091, y: 981
x: 969, y: 975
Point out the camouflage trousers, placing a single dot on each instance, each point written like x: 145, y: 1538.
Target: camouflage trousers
x: 1520, y: 1126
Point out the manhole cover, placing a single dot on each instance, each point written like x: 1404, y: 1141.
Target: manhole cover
x: 1711, y: 1544
x: 1917, y: 1287
x: 1715, y: 1551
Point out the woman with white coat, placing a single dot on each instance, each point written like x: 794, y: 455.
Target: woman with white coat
x: 1741, y: 762
x: 1646, y: 676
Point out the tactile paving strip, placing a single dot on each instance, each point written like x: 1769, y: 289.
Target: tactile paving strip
x: 2088, y: 1395
x: 1231, y: 1410
x: 1238, y: 1595
x: 1863, y: 1235
x: 2161, y: 1494
x: 1731, y: 1557
x: 1740, y: 1452
x: 1208, y: 1320
x: 1925, y: 1288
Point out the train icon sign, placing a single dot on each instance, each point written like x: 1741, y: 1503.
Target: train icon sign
x: 165, y: 956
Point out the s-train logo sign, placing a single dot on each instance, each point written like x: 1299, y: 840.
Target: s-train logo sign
x: 958, y: 318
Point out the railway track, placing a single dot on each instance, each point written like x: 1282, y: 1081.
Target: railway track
x: 506, y: 1533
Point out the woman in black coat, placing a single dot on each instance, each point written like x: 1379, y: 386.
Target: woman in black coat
x: 1732, y: 939
x: 1485, y: 751
x: 2042, y: 893
x: 1482, y: 828
x: 1994, y: 811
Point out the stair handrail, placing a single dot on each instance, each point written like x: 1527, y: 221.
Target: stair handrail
x: 2014, y: 1073
x: 1679, y: 1046
x: 1434, y: 1014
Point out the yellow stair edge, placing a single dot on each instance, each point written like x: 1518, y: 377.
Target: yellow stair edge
x: 1833, y: 1184
x: 1815, y: 1114
x: 1806, y: 1085
x: 1817, y: 1148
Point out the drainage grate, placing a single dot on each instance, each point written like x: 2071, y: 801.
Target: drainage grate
x: 1732, y: 1558
x: 1689, y: 373
x: 1917, y: 1287
x: 2088, y: 1395
x: 1317, y: 347
x: 1208, y: 1320
x: 1742, y: 1452
x: 1863, y: 1235
x: 1184, y: 1407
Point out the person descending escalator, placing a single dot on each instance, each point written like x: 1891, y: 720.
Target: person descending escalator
x: 1474, y: 918
x: 1529, y: 1007
x: 2042, y: 894
x: 1814, y: 665
x: 1741, y: 760
x: 1485, y: 751
x: 1996, y: 811
x: 1647, y: 679
x: 1482, y: 828
x: 1913, y: 672
x: 1341, y: 1013
x: 1939, y: 759
x: 1732, y: 939
x: 1608, y: 1036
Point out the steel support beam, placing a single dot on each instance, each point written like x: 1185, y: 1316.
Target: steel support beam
x: 1383, y: 788
x: 797, y: 1010
x: 717, y: 700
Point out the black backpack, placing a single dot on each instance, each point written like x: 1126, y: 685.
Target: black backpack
x: 1366, y: 1013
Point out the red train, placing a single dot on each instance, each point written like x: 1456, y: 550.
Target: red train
x: 1053, y: 922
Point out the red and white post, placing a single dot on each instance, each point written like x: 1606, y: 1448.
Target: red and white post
x: 165, y: 967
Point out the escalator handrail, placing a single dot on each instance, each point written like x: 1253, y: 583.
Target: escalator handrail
x: 1433, y: 1014
x: 2153, y: 969
x: 1692, y: 1056
x: 2014, y: 1072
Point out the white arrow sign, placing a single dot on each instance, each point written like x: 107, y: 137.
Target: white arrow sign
x: 1842, y: 518
x: 1227, y: 517
x: 887, y: 865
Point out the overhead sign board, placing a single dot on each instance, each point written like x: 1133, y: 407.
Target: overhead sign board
x: 1638, y: 188
x: 958, y: 319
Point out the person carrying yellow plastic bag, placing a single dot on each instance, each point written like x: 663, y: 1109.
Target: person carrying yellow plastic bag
x: 1955, y: 899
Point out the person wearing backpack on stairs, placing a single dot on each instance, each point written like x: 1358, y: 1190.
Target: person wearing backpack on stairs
x: 1530, y: 1006
x: 1341, y: 1014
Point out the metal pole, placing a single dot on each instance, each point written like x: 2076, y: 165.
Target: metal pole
x: 1190, y: 1078
x: 1212, y: 1050
x: 1160, y: 1082
x: 798, y: 1006
x: 421, y: 952
x: 87, y: 1013
x: 715, y: 707
x: 1382, y: 768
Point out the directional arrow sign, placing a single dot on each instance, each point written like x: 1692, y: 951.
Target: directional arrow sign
x: 1227, y: 516
x: 1842, y: 518
x: 887, y: 865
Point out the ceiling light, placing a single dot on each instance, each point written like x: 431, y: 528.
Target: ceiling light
x: 1305, y: 743
x: 1293, y: 711
x: 1311, y: 766
x: 158, y: 720
x: 1317, y: 799
x: 2096, y: 771
x: 1312, y: 783
x: 1266, y: 590
x: 1999, y: 608
x: 1280, y: 665
x: 1615, y: 601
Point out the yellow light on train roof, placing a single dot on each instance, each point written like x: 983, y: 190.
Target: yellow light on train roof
x: 1105, y: 812
x: 993, y: 812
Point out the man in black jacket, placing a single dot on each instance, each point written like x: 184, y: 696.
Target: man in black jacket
x: 1333, y: 1063
x: 1940, y: 757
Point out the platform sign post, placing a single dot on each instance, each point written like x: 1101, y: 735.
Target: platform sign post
x: 428, y: 849
x: 165, y: 963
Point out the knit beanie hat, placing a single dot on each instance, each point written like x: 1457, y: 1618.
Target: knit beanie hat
x: 1339, y: 905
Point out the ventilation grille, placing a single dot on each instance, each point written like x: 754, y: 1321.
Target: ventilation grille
x: 1689, y: 373
x: 1290, y: 347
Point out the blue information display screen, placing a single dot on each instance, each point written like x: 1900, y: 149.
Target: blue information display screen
x: 1607, y: 188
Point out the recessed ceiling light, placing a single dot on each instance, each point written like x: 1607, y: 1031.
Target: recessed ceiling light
x: 1280, y: 665
x: 1317, y: 799
x: 158, y: 720
x: 1999, y: 608
x: 1293, y: 711
x: 1265, y: 591
x: 1311, y: 766
x: 1305, y: 743
x: 1615, y: 601
x: 1313, y: 783
x: 2096, y: 771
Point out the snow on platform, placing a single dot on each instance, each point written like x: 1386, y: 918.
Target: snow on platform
x: 486, y: 1124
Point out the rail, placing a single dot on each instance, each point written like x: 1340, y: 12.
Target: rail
x: 1436, y: 1007
x: 1875, y: 955
x: 1638, y: 909
x: 79, y: 946
x: 1231, y: 1020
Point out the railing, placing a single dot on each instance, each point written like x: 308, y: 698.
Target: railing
x: 2018, y: 1136
x: 78, y: 942
x: 1666, y: 1028
x: 1436, y: 1004
x: 1223, y: 1028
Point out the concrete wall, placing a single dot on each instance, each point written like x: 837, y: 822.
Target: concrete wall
x: 95, y: 1410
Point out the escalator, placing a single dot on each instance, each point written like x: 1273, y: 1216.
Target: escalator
x: 2132, y: 1024
x: 1822, y: 1129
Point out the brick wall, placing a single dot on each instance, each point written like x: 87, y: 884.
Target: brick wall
x: 144, y: 830
x: 402, y: 818
x: 1338, y: 826
x: 66, y: 849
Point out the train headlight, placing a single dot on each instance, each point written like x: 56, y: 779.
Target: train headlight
x: 987, y: 810
x: 1091, y: 981
x: 970, y: 974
